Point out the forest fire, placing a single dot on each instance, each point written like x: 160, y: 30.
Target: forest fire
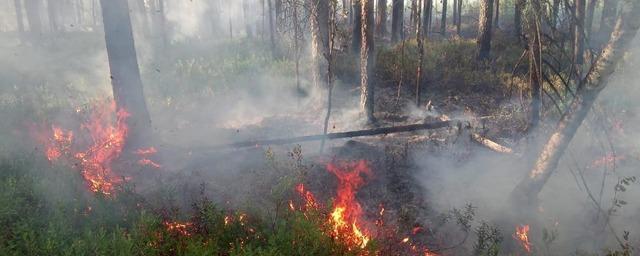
x: 522, y: 236
x: 179, y: 228
x: 106, y: 138
x: 144, y: 154
x: 346, y: 216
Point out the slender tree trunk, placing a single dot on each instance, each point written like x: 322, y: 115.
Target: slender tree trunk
x: 484, y: 30
x: 319, y: 40
x: 526, y: 192
x: 52, y: 12
x: 19, y: 19
x: 454, y: 20
x: 381, y: 19
x: 125, y: 74
x: 443, y: 21
x: 608, y: 19
x: 588, y: 24
x: 459, y: 18
x: 330, y: 65
x: 296, y: 40
x: 496, y: 19
x: 33, y: 8
x: 578, y: 44
x: 555, y: 13
x: 397, y: 21
x: 356, y: 42
x: 420, y: 41
x: 426, y: 16
x: 367, y: 61
x: 517, y: 18
x: 272, y: 30
x: 535, y: 61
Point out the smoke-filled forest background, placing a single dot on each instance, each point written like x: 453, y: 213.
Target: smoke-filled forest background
x: 319, y: 127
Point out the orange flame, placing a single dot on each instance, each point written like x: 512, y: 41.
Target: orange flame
x: 179, y: 228
x: 347, y: 211
x: 522, y: 235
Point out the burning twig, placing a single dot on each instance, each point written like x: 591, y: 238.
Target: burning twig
x: 490, y: 144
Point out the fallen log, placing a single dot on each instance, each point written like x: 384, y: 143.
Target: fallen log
x: 490, y: 144
x: 341, y: 135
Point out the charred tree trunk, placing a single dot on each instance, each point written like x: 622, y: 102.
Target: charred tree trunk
x: 125, y: 74
x: 484, y: 29
x: 272, y: 29
x: 578, y: 44
x: 459, y: 18
x: 381, y: 19
x: 19, y: 19
x: 443, y: 20
x: 526, y: 192
x: 356, y: 42
x: 367, y: 61
x: 454, y: 20
x: 397, y: 21
x: 413, y: 16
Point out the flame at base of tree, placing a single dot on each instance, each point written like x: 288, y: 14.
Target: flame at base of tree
x: 104, y: 137
x: 522, y: 236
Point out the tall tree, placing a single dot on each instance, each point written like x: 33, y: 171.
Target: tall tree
x: 19, y: 18
x: 356, y: 40
x: 397, y: 21
x: 535, y: 60
x: 52, y: 13
x: 272, y: 29
x: 427, y: 10
x: 578, y: 44
x: 381, y: 19
x: 319, y: 11
x: 627, y: 25
x: 125, y: 73
x: 496, y: 19
x: 443, y: 21
x: 459, y: 18
x: 330, y: 66
x: 555, y: 13
x: 367, y: 61
x: 420, y: 41
x: 484, y: 29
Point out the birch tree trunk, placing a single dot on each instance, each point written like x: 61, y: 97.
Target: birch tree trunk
x: 526, y: 192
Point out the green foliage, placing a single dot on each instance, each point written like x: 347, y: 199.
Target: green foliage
x: 489, y: 239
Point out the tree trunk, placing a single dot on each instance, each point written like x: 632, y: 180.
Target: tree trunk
x: 52, y: 12
x: 272, y: 30
x: 426, y: 14
x: 484, y: 30
x: 443, y: 20
x: 33, y: 8
x: 420, y: 41
x: 367, y: 61
x: 588, y: 24
x: 125, y: 74
x: 459, y: 18
x: 332, y: 28
x: 356, y: 42
x: 535, y: 61
x: 497, y: 16
x: 608, y: 19
x: 555, y: 12
x: 381, y: 19
x: 454, y: 20
x: 412, y: 16
x: 517, y: 19
x: 319, y: 40
x: 578, y: 44
x: 19, y: 19
x: 526, y: 192
x: 397, y: 21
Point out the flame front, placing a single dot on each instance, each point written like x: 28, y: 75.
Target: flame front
x: 522, y: 235
x: 347, y: 212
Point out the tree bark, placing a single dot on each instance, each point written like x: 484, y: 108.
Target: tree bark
x: 125, y: 74
x: 526, y: 192
x: 33, y: 8
x: 381, y: 19
x: 588, y: 24
x: 535, y: 61
x: 420, y: 41
x: 397, y: 21
x: 578, y: 44
x: 555, y: 12
x: 272, y: 29
x: 426, y: 16
x: 443, y: 20
x: 484, y: 30
x: 367, y: 61
x: 319, y: 40
x: 356, y: 42
x: 517, y: 19
x: 496, y: 20
x: 19, y: 19
x: 459, y: 18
